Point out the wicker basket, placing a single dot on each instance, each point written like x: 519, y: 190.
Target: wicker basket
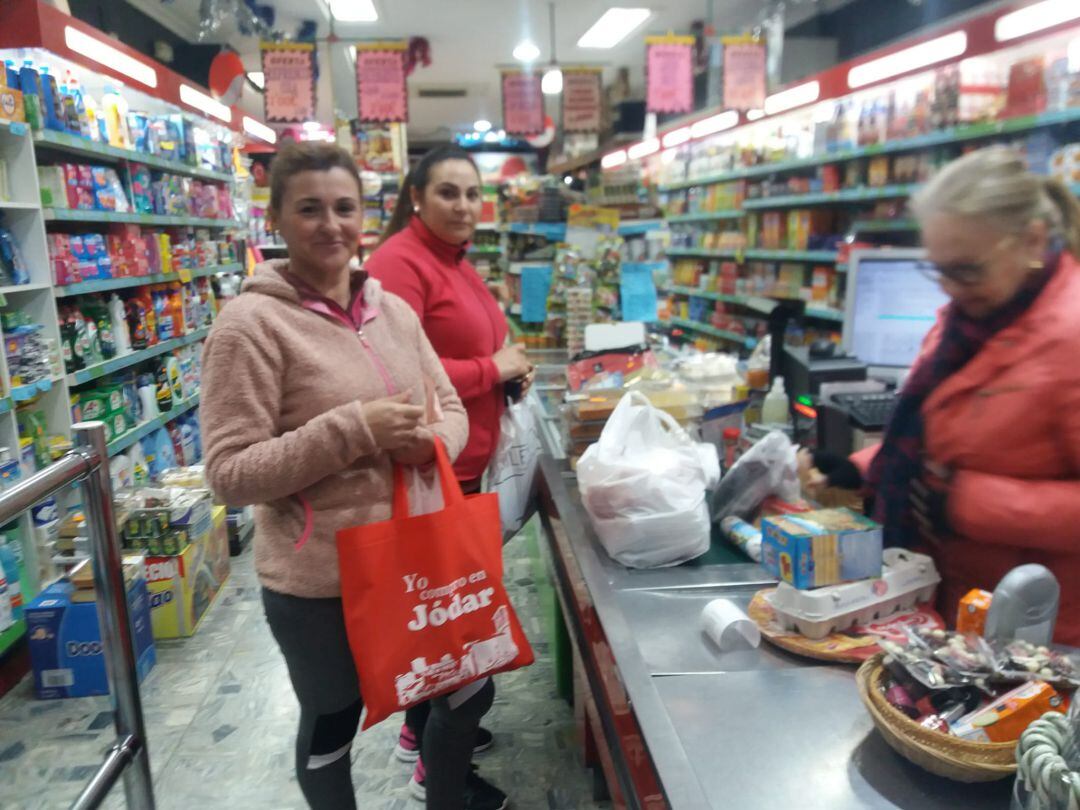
x: 951, y: 757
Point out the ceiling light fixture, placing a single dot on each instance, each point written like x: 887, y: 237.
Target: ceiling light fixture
x: 202, y: 102
x: 643, y: 149
x: 918, y: 56
x: 354, y: 11
x: 552, y: 81
x: 613, y: 159
x: 481, y: 125
x: 1034, y: 18
x: 676, y: 137
x: 793, y: 97
x: 259, y: 130
x: 613, y: 27
x: 257, y: 78
x: 668, y: 156
x: 526, y: 51
x: 111, y: 57
x: 714, y: 124
x: 755, y: 115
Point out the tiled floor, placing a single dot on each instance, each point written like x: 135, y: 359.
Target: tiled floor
x: 221, y: 719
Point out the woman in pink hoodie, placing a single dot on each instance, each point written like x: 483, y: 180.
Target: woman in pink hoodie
x: 315, y: 382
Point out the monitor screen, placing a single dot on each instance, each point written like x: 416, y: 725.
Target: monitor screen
x: 891, y: 306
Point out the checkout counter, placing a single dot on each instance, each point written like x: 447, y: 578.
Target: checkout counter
x: 671, y: 722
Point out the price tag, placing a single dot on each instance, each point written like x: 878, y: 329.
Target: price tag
x: 185, y: 275
x: 17, y: 128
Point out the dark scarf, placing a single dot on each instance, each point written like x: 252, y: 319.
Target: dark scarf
x: 900, y: 460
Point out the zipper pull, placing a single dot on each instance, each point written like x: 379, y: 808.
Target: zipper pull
x: 360, y: 334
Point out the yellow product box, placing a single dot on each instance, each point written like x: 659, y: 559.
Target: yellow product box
x: 183, y: 586
x: 11, y: 105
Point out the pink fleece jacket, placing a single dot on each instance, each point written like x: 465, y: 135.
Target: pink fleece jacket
x: 282, y: 413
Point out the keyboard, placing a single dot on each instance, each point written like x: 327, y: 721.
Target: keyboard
x: 869, y: 411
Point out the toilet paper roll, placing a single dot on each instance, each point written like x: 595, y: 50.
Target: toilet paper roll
x: 726, y: 624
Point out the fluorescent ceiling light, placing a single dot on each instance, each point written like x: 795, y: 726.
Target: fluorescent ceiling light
x: 526, y: 51
x: 676, y: 137
x: 551, y: 83
x: 643, y: 149
x: 258, y: 78
x: 200, y: 101
x: 613, y: 159
x: 354, y: 11
x: 904, y: 61
x: 259, y: 130
x: 793, y: 97
x: 755, y: 115
x: 613, y: 27
x: 481, y: 125
x: 107, y: 55
x: 668, y: 156
x: 715, y: 123
x: 1034, y: 18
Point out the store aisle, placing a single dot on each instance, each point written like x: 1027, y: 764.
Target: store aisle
x: 221, y: 718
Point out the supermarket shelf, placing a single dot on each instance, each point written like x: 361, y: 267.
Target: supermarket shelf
x: 18, y: 206
x: 884, y: 225
x: 126, y: 361
x: 829, y: 197
x: 711, y: 253
x: 487, y: 226
x: 485, y: 251
x: 105, y: 284
x: 73, y: 144
x: 14, y: 127
x: 712, y: 331
x: 821, y: 313
x: 128, y: 438
x: 105, y: 217
x: 940, y: 138
x: 21, y: 288
x: 554, y: 231
x: 5, y: 404
x: 636, y: 227
x: 791, y: 255
x: 712, y: 216
x: 11, y: 636
x: 29, y: 391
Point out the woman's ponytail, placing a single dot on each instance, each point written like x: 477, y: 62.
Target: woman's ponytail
x: 1062, y: 198
x: 399, y: 220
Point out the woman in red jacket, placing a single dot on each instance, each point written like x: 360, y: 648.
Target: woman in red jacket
x: 981, y: 459
x: 422, y: 259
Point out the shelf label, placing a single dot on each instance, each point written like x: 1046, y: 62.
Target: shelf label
x: 17, y: 128
x: 185, y: 274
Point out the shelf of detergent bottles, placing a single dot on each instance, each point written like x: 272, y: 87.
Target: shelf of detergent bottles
x: 77, y: 145
x: 129, y: 437
x: 85, y: 215
x: 123, y: 361
x: 106, y: 284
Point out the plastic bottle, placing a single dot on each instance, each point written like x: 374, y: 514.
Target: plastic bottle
x: 76, y: 93
x: 775, y: 408
x: 9, y: 564
x: 52, y: 106
x: 11, y: 75
x: 121, y: 335
x: 30, y: 83
x: 71, y: 110
x: 111, y: 105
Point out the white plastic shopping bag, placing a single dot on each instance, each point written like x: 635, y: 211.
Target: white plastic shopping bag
x: 644, y: 485
x: 512, y: 472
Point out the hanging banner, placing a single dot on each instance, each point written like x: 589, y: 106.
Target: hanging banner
x: 523, y: 103
x: 669, y: 74
x: 381, y: 92
x: 582, y: 99
x: 744, y: 73
x: 535, y: 287
x: 289, y: 75
x: 637, y: 291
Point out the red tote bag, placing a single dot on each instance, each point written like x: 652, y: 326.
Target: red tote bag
x: 425, y: 607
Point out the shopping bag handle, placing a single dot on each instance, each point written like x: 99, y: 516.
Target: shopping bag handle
x: 451, y: 489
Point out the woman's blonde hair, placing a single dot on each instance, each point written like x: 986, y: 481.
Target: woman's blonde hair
x: 995, y: 186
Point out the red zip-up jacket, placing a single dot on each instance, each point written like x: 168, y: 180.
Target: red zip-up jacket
x: 461, y: 319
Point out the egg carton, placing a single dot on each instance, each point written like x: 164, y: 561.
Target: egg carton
x: 907, y: 579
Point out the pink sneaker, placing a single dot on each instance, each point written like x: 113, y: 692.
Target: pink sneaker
x: 408, y: 747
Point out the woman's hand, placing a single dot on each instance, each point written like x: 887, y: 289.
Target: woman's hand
x: 393, y: 421
x: 512, y: 362
x: 417, y: 452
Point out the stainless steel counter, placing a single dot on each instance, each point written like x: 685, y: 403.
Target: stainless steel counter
x: 745, y: 729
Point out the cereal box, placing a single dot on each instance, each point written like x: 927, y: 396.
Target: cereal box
x: 819, y: 548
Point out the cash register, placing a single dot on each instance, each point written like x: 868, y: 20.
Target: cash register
x: 890, y: 306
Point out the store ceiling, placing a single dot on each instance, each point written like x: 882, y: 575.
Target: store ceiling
x: 469, y: 39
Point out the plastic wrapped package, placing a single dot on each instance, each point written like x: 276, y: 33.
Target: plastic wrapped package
x: 770, y: 467
x: 644, y: 485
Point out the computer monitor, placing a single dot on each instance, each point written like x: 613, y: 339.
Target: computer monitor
x: 890, y: 307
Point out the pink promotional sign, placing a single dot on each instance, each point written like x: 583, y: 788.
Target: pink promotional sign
x: 669, y: 75
x: 744, y: 73
x: 523, y: 103
x: 582, y: 100
x: 289, y: 74
x: 382, y: 94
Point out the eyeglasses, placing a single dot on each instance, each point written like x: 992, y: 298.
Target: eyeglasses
x: 966, y: 274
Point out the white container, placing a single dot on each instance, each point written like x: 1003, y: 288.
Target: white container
x: 774, y: 411
x: 907, y: 578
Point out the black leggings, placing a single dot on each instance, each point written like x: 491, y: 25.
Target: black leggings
x: 311, y: 635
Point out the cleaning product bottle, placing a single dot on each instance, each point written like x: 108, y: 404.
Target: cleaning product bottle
x: 775, y: 409
x: 70, y: 109
x: 121, y: 335
x: 111, y: 105
x: 52, y: 106
x: 76, y: 93
x: 9, y: 564
x: 30, y: 84
x: 11, y: 75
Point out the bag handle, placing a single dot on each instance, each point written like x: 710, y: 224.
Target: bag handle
x: 651, y: 413
x: 451, y: 488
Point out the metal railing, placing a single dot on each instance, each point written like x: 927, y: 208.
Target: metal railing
x: 88, y: 464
